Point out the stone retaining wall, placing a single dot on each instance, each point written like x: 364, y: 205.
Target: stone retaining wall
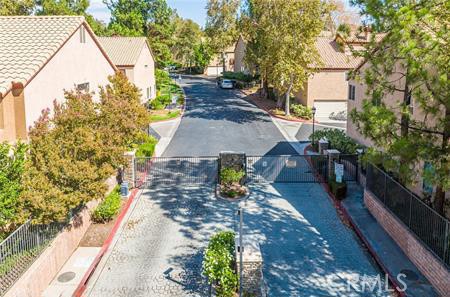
x: 428, y: 264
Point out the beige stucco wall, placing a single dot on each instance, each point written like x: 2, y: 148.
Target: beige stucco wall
x: 12, y: 117
x: 326, y: 85
x: 229, y: 61
x: 393, y: 101
x: 73, y: 64
x: 144, y: 73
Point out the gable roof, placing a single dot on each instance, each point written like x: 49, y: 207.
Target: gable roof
x: 333, y: 57
x: 124, y: 51
x: 29, y: 42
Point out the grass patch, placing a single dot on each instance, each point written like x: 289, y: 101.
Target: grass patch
x: 162, y: 115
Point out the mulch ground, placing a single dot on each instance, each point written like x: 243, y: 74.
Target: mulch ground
x: 97, y: 233
x: 270, y: 106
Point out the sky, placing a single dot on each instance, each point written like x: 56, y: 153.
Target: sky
x: 192, y: 9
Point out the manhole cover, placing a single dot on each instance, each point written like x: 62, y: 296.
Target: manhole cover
x: 66, y: 277
x: 410, y: 275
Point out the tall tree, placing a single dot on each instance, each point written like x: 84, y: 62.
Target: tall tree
x: 221, y: 24
x: 69, y: 7
x: 187, y: 36
x: 150, y: 18
x: 284, y: 33
x: 128, y: 17
x: 410, y: 64
x: 16, y: 7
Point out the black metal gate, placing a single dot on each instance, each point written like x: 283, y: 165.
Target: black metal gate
x: 350, y: 166
x: 175, y: 170
x: 287, y: 168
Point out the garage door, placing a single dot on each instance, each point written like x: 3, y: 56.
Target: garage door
x: 325, y: 109
x: 214, y: 70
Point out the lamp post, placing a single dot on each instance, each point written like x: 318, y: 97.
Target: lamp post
x: 314, y: 113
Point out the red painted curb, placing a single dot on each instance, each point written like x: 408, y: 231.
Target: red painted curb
x: 338, y: 204
x: 82, y: 286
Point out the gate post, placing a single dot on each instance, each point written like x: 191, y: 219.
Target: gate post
x: 129, y: 172
x: 333, y: 156
x: 237, y: 161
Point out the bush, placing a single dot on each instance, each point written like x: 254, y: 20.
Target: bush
x: 238, y: 76
x: 337, y: 140
x: 162, y: 78
x: 12, y: 163
x: 229, y: 176
x: 218, y: 264
x: 301, y: 111
x: 147, y: 148
x: 339, y: 190
x: 108, y: 208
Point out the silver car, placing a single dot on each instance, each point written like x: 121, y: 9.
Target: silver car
x: 226, y: 84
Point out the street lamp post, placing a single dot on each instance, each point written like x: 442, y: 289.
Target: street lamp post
x: 313, y: 113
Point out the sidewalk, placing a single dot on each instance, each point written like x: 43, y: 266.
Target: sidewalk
x: 384, y: 249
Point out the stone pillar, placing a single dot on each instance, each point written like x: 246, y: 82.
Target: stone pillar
x: 252, y: 276
x: 234, y: 160
x: 333, y: 156
x: 323, y: 145
x: 129, y: 174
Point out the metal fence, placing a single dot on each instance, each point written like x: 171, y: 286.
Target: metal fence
x: 287, y: 169
x: 350, y: 162
x: 428, y: 225
x: 19, y: 250
x: 175, y: 170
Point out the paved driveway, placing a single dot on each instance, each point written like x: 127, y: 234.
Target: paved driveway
x: 307, y: 250
x: 220, y: 120
x: 160, y: 249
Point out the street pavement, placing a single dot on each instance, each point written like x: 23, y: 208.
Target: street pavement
x: 221, y: 120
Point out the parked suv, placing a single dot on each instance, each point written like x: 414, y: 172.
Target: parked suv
x: 226, y: 84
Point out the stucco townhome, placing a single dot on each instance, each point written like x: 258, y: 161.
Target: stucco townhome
x: 40, y: 57
x: 215, y: 66
x: 327, y: 89
x: 239, y: 56
x: 133, y: 57
x: 358, y: 93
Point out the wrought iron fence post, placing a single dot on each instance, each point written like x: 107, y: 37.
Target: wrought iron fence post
x: 446, y: 256
x: 385, y: 188
x: 410, y: 210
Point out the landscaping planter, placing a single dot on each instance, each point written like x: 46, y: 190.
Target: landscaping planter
x: 221, y: 195
x: 339, y: 190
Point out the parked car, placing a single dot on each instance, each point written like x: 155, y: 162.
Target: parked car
x: 226, y: 84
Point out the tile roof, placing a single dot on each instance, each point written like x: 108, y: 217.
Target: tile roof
x: 123, y: 50
x: 28, y: 42
x: 333, y: 57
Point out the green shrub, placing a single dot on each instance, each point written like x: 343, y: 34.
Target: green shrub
x: 218, y: 264
x: 301, y: 111
x: 147, y: 148
x: 337, y: 140
x: 339, y: 190
x: 229, y: 176
x: 108, y: 208
x: 238, y: 76
x: 162, y: 78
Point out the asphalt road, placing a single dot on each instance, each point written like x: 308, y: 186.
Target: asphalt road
x: 221, y: 120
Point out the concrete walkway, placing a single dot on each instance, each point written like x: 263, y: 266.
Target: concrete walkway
x: 307, y: 250
x: 388, y: 252
x: 165, y: 130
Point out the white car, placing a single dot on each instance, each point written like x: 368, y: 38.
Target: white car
x: 226, y: 84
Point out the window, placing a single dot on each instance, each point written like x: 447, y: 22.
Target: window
x: 428, y: 170
x: 84, y: 87
x: 82, y: 35
x: 351, y: 92
x: 149, y: 92
x: 410, y: 103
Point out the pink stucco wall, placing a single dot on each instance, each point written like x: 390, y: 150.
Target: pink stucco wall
x: 144, y: 73
x: 73, y: 64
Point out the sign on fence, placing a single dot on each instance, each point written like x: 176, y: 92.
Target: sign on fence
x: 338, y: 171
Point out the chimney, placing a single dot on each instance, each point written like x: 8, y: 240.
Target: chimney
x: 367, y: 30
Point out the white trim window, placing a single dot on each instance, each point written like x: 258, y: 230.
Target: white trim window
x: 84, y: 87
